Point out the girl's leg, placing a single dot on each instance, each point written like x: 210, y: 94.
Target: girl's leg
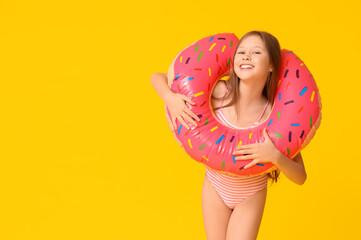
x: 246, y: 217
x: 215, y: 212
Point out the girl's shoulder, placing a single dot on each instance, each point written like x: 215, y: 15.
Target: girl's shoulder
x: 220, y: 89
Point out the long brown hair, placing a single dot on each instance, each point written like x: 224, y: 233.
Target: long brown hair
x: 269, y: 90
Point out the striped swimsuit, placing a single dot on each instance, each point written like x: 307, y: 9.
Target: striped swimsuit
x: 234, y: 189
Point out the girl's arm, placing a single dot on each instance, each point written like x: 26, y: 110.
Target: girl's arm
x: 175, y: 101
x: 159, y: 82
x: 266, y: 151
x: 294, y: 169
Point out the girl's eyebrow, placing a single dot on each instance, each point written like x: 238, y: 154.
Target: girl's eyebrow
x: 254, y: 46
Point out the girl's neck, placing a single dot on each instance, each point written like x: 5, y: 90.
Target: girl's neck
x: 250, y: 95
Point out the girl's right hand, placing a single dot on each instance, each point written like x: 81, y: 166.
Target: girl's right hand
x: 179, y: 110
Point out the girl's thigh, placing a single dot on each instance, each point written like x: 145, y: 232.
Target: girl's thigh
x: 215, y: 212
x: 246, y: 217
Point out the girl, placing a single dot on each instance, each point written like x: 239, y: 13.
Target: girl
x: 233, y: 206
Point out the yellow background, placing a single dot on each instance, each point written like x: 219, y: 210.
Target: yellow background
x: 85, y: 149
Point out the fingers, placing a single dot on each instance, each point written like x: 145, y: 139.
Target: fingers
x: 184, y: 114
x: 174, y: 123
x: 192, y: 114
x: 251, y: 164
x: 245, y: 157
x: 188, y: 99
x: 243, y: 151
x: 248, y: 146
x: 189, y: 119
x: 246, y: 149
x: 188, y: 111
x: 180, y: 119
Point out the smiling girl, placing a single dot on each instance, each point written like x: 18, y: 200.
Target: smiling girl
x: 233, y: 205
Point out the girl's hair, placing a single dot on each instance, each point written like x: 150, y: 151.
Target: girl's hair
x: 269, y: 90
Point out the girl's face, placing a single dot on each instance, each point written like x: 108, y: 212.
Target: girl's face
x: 251, y: 61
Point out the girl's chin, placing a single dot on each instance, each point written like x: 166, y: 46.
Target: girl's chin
x: 246, y: 76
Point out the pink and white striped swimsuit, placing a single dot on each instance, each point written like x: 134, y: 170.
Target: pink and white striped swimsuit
x: 234, y: 189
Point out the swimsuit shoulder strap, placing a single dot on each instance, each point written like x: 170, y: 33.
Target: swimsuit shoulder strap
x: 225, y: 92
x: 264, y: 110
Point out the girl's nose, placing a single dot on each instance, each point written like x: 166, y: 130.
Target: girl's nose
x: 244, y: 57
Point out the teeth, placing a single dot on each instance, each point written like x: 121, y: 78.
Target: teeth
x: 246, y: 66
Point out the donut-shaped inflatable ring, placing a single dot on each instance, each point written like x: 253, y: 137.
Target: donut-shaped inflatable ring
x: 292, y: 123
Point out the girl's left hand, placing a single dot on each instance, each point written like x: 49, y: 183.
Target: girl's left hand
x: 260, y: 152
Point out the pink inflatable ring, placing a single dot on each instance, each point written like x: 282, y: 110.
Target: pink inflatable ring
x: 295, y: 116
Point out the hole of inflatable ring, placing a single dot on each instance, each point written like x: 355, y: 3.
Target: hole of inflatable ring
x: 225, y: 78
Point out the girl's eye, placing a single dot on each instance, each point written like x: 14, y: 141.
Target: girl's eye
x: 253, y: 52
